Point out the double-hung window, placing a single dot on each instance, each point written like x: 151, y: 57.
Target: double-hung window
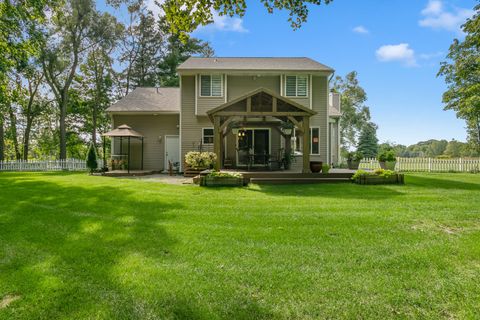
x: 314, y: 141
x: 207, y: 135
x: 211, y: 85
x: 296, y: 86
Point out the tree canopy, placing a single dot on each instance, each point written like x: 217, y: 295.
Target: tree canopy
x: 462, y: 75
x: 184, y: 16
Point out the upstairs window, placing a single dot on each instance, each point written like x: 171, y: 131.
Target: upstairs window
x: 296, y: 86
x: 207, y: 135
x: 211, y: 85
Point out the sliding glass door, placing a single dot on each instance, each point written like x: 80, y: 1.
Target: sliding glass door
x: 253, y: 147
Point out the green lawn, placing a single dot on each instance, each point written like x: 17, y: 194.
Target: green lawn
x: 74, y: 246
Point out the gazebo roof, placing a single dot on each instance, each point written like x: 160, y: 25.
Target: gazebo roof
x: 123, y: 131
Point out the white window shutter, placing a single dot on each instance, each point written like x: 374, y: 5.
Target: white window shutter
x: 216, y: 85
x: 302, y: 86
x: 290, y: 86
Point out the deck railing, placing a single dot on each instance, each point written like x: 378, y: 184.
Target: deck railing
x: 428, y: 164
x: 46, y: 165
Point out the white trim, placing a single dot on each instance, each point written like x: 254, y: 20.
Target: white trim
x: 310, y: 81
x: 226, y: 88
x: 207, y: 144
x: 296, y: 96
x: 196, y: 94
x: 211, y: 79
x: 311, y: 142
x: 165, y: 164
x: 281, y: 85
x: 253, y: 137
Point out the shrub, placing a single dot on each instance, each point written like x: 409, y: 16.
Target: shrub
x: 354, y: 156
x: 92, y: 163
x: 224, y: 174
x: 385, y: 156
x: 200, y: 160
x: 379, y: 172
x: 325, y: 168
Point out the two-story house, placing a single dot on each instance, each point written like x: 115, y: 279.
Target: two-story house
x: 239, y: 108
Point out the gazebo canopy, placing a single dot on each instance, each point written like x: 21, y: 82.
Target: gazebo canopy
x: 123, y: 131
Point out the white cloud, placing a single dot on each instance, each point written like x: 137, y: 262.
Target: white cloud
x: 437, y: 17
x: 226, y: 23
x: 399, y: 52
x: 361, y: 30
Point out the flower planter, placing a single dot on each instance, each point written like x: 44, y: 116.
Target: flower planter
x: 353, y: 165
x: 397, y: 178
x: 388, y: 165
x: 222, y: 181
x: 316, y: 166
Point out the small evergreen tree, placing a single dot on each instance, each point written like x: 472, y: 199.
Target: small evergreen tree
x: 368, y: 141
x: 92, y: 163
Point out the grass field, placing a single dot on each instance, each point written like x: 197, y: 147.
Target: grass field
x: 79, y: 247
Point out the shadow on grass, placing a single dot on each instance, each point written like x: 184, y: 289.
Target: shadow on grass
x: 438, y: 181
x: 78, y: 251
x: 333, y: 190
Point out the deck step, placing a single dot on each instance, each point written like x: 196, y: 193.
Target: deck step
x: 297, y: 180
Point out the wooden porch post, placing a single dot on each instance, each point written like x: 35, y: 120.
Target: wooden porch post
x: 217, y: 142
x: 306, y: 144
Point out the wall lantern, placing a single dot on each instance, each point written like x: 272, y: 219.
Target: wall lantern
x: 235, y: 130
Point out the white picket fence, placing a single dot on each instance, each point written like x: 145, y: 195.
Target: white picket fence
x: 46, y: 165
x: 428, y: 164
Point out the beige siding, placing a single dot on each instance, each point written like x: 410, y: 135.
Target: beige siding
x: 152, y: 127
x: 334, y: 146
x: 191, y: 132
x: 319, y: 104
x: 240, y: 85
x: 303, y: 101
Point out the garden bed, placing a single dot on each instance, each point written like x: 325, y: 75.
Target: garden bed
x: 379, y: 176
x: 221, y: 179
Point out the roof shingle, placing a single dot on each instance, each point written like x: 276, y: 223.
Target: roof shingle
x: 260, y: 64
x: 148, y: 99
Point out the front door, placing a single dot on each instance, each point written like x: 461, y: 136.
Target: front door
x: 253, y: 147
x: 172, y: 151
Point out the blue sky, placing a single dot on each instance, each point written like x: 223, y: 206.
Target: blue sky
x: 395, y: 46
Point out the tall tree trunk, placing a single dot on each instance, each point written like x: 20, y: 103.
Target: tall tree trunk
x: 26, y: 137
x: 94, y: 125
x: 2, y: 138
x: 13, y: 132
x: 63, y: 130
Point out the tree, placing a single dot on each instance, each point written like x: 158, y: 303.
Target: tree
x: 368, y: 141
x: 141, y: 48
x: 176, y: 52
x: 92, y: 158
x: 453, y: 149
x: 462, y: 75
x: 184, y: 16
x: 355, y: 114
x: 20, y: 39
x: 75, y: 29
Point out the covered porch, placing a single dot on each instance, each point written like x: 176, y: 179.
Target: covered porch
x: 255, y: 131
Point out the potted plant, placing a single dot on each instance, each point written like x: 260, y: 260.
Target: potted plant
x: 316, y: 166
x: 353, y: 160
x: 387, y: 160
x: 287, y: 127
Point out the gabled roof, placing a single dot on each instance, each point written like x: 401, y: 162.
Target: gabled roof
x: 149, y: 100
x: 250, y: 94
x: 253, y: 64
